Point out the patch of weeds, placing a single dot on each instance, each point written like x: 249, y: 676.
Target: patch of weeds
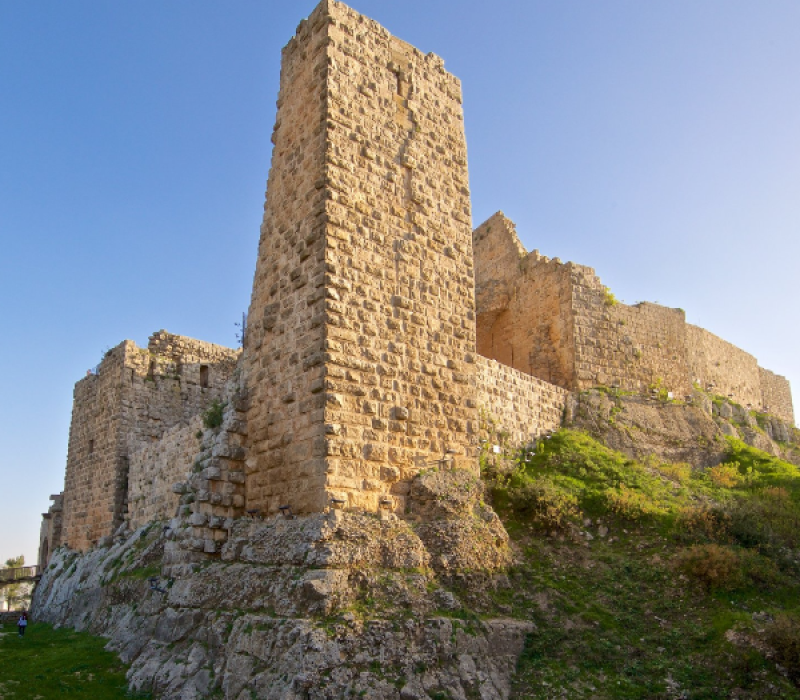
x: 212, y: 416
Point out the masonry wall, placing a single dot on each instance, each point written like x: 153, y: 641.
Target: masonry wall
x: 776, y: 395
x: 284, y: 344
x: 153, y: 469
x: 558, y: 322
x: 633, y: 347
x: 94, y: 483
x: 383, y: 331
x: 50, y: 530
x: 523, y: 406
x: 524, y: 304
x: 133, y: 398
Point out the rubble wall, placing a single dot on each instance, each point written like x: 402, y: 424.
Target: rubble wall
x: 153, y: 470
x: 520, y: 405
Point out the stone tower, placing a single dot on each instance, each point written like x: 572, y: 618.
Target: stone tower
x: 360, y: 352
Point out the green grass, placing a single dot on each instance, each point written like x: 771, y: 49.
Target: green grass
x: 663, y: 605
x: 51, y: 663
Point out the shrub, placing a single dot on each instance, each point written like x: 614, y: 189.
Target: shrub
x: 783, y: 636
x: 725, y: 475
x: 630, y: 504
x: 702, y: 524
x: 711, y: 565
x: 679, y: 472
x: 212, y: 416
x: 766, y: 519
x: 544, y: 502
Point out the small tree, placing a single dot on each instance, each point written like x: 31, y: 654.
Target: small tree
x: 17, y: 595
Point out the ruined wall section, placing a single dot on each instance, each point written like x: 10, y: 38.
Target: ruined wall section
x: 284, y: 344
x: 127, y: 404
x: 516, y: 403
x: 776, y: 395
x: 50, y: 530
x: 155, y: 468
x: 524, y: 304
x: 172, y: 381
x: 400, y: 323
x: 498, y: 254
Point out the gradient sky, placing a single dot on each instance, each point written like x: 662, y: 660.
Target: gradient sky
x: 657, y: 142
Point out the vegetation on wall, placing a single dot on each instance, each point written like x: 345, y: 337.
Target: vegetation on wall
x: 212, y: 416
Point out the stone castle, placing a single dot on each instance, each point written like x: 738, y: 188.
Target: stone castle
x: 381, y: 331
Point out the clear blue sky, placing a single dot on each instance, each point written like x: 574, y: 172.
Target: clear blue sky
x: 657, y: 142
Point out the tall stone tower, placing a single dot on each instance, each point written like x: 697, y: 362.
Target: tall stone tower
x: 360, y: 352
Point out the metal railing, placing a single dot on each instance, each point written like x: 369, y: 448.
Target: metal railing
x: 22, y: 573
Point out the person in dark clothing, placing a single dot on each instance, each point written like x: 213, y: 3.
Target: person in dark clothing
x: 22, y: 623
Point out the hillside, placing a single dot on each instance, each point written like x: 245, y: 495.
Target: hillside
x: 606, y: 575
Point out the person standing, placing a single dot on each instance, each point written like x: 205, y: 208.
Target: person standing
x: 22, y: 623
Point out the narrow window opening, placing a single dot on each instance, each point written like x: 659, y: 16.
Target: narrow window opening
x: 204, y: 376
x: 91, y: 446
x: 151, y: 370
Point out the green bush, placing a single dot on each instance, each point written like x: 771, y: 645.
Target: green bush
x: 544, y: 503
x: 631, y: 504
x: 212, y: 416
x: 766, y: 518
x: 701, y: 524
x: 711, y: 565
x: 723, y: 567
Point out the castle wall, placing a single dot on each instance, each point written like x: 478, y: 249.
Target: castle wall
x: 524, y: 307
x: 284, y: 344
x: 50, y: 530
x: 729, y: 371
x: 133, y: 398
x: 153, y: 469
x: 558, y: 322
x: 523, y: 406
x: 776, y: 395
x: 634, y: 347
x: 95, y: 480
x: 383, y: 223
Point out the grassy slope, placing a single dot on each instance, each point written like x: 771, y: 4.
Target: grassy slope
x: 677, y: 599
x: 51, y: 663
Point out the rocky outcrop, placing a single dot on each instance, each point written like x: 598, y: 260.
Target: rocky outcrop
x: 690, y: 431
x: 332, y: 605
